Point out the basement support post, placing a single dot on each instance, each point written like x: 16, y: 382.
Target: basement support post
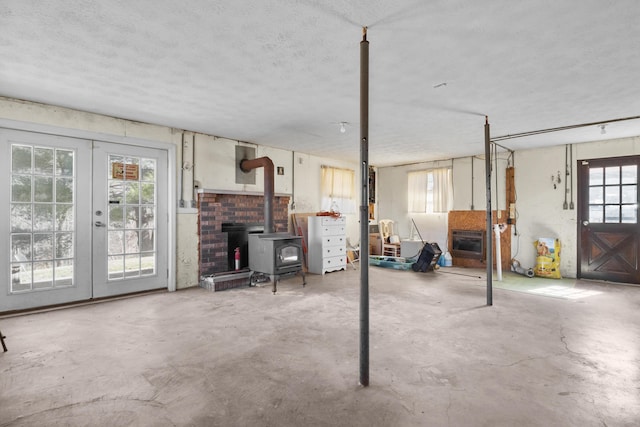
x: 364, y: 209
x: 487, y: 163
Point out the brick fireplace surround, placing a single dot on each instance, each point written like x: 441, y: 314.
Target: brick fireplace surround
x: 217, y: 208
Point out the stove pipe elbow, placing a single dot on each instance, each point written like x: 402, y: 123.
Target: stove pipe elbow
x: 247, y: 165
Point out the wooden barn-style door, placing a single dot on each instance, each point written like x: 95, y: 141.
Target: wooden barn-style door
x: 608, y: 229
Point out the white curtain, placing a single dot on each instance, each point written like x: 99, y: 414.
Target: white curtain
x: 442, y: 190
x: 418, y: 190
x: 337, y: 187
x: 430, y: 191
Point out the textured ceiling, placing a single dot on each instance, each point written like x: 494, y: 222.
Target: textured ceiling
x: 286, y: 73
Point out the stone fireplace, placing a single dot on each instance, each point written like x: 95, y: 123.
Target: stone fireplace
x: 217, y: 209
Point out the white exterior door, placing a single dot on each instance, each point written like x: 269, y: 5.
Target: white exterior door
x: 45, y: 215
x: 79, y: 219
x: 130, y: 219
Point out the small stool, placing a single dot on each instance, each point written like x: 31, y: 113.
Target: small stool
x: 2, y: 337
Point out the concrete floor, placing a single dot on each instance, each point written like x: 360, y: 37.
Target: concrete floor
x: 244, y: 357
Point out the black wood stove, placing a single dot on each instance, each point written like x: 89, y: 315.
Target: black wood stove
x: 276, y: 254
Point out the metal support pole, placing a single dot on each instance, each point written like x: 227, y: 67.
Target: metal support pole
x: 364, y: 208
x: 487, y: 163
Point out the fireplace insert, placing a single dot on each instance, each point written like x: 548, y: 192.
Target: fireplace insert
x: 238, y: 237
x: 468, y: 244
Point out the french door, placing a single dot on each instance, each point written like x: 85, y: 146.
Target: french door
x: 608, y: 227
x: 79, y: 219
x: 129, y: 219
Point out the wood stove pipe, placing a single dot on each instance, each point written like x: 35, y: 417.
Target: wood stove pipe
x: 247, y: 165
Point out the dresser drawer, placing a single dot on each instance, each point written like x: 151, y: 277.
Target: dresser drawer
x: 335, y: 262
x: 333, y: 230
x: 333, y: 251
x: 328, y: 220
x: 334, y: 241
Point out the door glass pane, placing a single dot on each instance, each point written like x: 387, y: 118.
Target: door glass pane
x: 131, y: 225
x: 147, y: 242
x: 147, y: 263
x: 21, y: 247
x: 612, y: 194
x: 116, y: 242
x: 64, y: 190
x: 132, y: 265
x: 612, y: 175
x: 148, y: 194
x: 629, y: 214
x: 116, y: 192
x: 42, y: 275
x: 42, y: 217
x: 21, y: 188
x: 21, y: 217
x: 116, y: 167
x: 133, y: 213
x: 148, y: 167
x: 595, y: 195
x: 64, y: 245
x: 595, y: 176
x: 43, y: 189
x: 612, y: 214
x: 43, y: 161
x: 629, y: 194
x: 20, y: 277
x: 116, y: 216
x: 64, y: 273
x: 629, y: 174
x: 64, y: 217
x: 64, y: 162
x: 21, y: 159
x: 116, y: 267
x: 148, y: 218
x: 595, y: 214
x: 131, y: 242
x: 42, y: 247
x: 132, y: 193
x: 132, y: 169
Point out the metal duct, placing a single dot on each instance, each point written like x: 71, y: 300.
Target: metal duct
x: 266, y: 163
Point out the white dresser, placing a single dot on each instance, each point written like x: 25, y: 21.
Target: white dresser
x: 327, y: 249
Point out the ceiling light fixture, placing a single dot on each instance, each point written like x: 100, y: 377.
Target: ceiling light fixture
x: 343, y: 128
x: 602, y: 129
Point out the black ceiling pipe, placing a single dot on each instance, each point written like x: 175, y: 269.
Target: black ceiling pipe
x: 266, y: 163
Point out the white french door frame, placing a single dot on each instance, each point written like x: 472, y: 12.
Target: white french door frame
x: 117, y: 139
x: 49, y: 274
x: 136, y: 213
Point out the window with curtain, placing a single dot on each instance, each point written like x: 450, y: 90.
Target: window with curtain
x: 430, y: 191
x: 338, y: 189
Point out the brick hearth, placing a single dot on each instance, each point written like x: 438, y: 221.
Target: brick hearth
x: 217, y: 208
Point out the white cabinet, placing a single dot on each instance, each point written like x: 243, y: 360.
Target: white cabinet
x: 327, y: 249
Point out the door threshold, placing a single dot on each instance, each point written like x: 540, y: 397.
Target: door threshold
x: 36, y: 310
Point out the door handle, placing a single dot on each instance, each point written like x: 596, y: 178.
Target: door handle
x: 585, y: 223
x: 100, y: 224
